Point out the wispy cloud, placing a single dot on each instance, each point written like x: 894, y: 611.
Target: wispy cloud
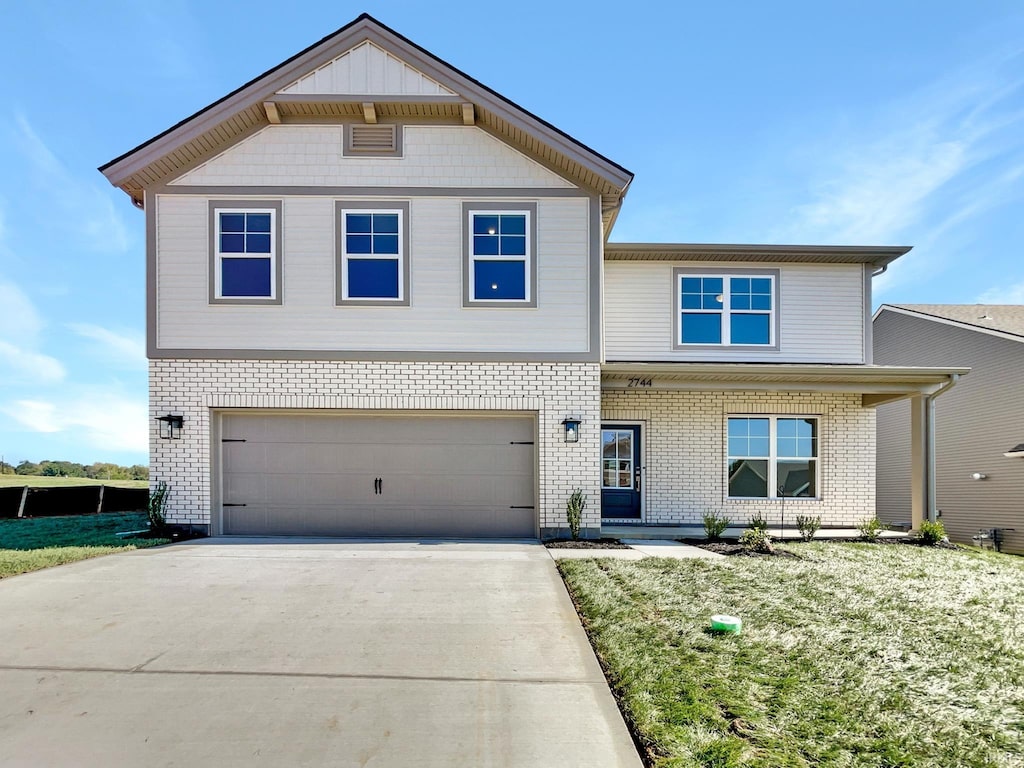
x: 1003, y: 294
x: 106, y: 420
x: 82, y: 209
x: 20, y: 327
x: 956, y: 152
x: 124, y: 348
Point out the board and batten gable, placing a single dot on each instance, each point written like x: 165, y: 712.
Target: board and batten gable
x: 822, y: 317
x: 440, y: 170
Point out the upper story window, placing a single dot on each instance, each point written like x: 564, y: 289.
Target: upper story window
x: 500, y: 267
x: 373, y: 244
x: 771, y: 457
x: 245, y: 252
x: 726, y: 309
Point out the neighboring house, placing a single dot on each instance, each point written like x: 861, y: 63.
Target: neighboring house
x: 381, y: 301
x: 979, y: 425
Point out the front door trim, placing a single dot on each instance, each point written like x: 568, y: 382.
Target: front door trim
x: 641, y: 426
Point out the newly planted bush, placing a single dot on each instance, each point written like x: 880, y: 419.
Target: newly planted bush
x: 808, y: 526
x: 932, y: 532
x: 758, y: 522
x: 871, y: 529
x: 574, y: 512
x: 715, y: 525
x: 757, y: 540
x: 157, y: 500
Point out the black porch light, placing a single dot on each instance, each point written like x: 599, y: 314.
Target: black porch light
x: 170, y: 426
x: 572, y: 429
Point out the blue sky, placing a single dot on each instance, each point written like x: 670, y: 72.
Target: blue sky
x: 818, y: 122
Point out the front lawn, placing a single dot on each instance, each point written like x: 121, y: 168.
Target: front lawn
x: 28, y: 545
x: 853, y: 655
x: 43, y: 481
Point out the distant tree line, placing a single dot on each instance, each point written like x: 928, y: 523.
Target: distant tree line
x: 97, y: 471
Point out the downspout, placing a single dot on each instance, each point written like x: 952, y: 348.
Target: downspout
x: 929, y: 431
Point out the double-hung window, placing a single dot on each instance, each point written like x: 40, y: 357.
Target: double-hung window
x: 730, y: 309
x: 372, y: 253
x: 770, y: 457
x: 500, y: 248
x: 245, y: 254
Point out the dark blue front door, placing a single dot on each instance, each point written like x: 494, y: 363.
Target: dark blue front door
x: 620, y: 471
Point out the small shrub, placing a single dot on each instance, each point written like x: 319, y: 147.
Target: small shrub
x: 808, y: 526
x: 574, y: 512
x: 870, y: 529
x: 758, y: 522
x: 757, y: 540
x: 932, y: 533
x: 715, y: 525
x: 155, y: 510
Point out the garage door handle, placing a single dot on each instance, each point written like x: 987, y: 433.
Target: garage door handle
x: 233, y: 505
x: 378, y: 486
x: 515, y: 507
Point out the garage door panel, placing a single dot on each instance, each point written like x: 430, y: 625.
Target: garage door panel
x: 310, y: 474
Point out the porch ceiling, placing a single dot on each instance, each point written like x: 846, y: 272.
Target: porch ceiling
x: 876, y: 383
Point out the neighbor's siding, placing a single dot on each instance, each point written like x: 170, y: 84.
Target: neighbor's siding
x: 976, y: 422
x: 432, y: 156
x: 685, y: 454
x: 821, y: 314
x: 436, y: 320
x: 551, y: 390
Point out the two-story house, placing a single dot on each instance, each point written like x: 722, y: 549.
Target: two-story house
x: 382, y: 301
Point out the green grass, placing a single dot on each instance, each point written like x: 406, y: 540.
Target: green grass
x: 854, y: 655
x: 37, y: 481
x: 28, y: 545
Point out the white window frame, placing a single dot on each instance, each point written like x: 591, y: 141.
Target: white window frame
x: 527, y: 259
x: 773, y: 456
x: 218, y: 256
x: 725, y: 313
x: 343, y: 224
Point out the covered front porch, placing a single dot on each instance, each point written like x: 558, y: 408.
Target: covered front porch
x: 746, y: 441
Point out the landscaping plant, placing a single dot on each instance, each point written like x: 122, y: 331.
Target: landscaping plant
x: 808, y: 526
x: 870, y: 529
x: 758, y: 522
x: 574, y: 512
x: 757, y: 540
x: 932, y: 532
x: 715, y: 525
x: 157, y: 499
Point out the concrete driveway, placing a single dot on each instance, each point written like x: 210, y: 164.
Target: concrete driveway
x: 230, y: 652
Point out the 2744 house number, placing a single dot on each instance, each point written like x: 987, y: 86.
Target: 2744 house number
x: 639, y: 382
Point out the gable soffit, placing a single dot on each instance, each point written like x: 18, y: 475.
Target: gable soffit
x: 361, y: 58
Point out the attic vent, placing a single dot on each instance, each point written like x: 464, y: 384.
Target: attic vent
x: 372, y: 139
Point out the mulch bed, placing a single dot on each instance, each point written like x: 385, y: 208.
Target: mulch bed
x: 585, y: 544
x: 174, y: 535
x: 732, y: 548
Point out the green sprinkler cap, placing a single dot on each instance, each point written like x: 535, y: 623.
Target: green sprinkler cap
x: 722, y: 623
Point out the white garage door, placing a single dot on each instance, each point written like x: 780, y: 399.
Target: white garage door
x: 378, y: 475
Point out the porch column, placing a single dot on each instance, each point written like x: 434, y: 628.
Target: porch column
x: 918, y: 461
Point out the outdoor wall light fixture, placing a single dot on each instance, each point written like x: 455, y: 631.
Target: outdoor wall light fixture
x: 170, y: 426
x: 572, y: 429
x: 979, y: 476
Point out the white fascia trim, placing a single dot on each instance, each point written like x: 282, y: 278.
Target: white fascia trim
x: 947, y: 321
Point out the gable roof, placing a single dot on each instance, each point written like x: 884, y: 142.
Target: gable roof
x: 242, y: 112
x: 1003, y: 320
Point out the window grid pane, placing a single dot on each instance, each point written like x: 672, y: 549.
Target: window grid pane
x: 751, y: 465
x: 245, y: 255
x: 500, y: 254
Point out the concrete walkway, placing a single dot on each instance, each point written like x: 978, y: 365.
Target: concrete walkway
x: 303, y: 653
x: 638, y: 550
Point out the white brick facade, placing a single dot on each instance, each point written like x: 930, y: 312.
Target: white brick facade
x: 685, y: 453
x: 196, y: 388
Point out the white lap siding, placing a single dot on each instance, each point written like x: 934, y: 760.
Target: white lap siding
x: 197, y: 388
x: 686, y: 453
